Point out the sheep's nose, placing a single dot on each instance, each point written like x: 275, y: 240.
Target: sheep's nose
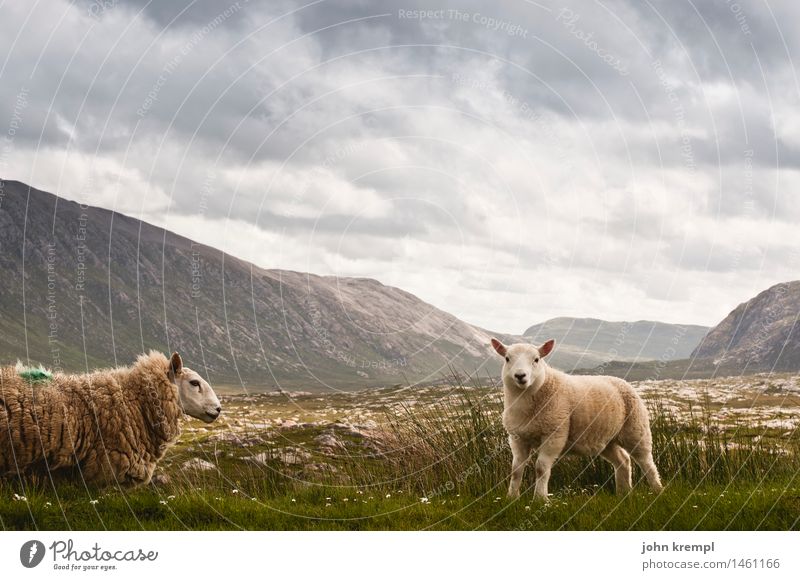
x: 520, y: 377
x: 219, y: 409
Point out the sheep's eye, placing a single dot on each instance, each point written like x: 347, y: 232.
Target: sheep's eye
x: 507, y: 359
x: 536, y: 359
x: 195, y: 383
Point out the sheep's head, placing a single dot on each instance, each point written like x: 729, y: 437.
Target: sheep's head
x: 523, y: 366
x: 197, y: 397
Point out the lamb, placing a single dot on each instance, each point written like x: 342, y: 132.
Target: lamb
x: 559, y: 413
x: 113, y: 426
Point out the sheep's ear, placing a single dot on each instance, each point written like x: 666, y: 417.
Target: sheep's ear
x: 175, y: 365
x: 499, y: 347
x: 545, y: 349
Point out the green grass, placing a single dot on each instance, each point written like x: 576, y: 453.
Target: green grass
x: 443, y: 465
x: 679, y: 507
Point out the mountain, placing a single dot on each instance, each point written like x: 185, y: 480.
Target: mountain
x: 760, y: 334
x: 84, y: 287
x: 593, y: 341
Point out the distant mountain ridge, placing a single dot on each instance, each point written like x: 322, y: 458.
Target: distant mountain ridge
x: 84, y: 287
x: 594, y: 341
x: 762, y: 333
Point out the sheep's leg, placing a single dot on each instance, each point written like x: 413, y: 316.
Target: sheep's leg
x: 139, y: 473
x: 521, y: 451
x: 549, y: 451
x: 621, y: 461
x: 643, y: 456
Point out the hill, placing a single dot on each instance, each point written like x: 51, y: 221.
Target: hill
x: 759, y: 334
x: 590, y: 341
x: 84, y: 287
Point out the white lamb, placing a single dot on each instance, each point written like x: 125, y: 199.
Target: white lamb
x: 559, y: 413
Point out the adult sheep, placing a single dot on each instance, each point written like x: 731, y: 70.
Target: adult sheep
x: 560, y: 413
x: 112, y: 425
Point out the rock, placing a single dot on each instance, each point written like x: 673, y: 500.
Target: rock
x: 289, y: 456
x: 260, y: 458
x: 294, y: 456
x: 329, y: 441
x: 199, y: 464
x: 236, y: 439
x: 161, y: 479
x: 321, y: 468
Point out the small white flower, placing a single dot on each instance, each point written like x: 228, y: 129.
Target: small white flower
x: 20, y: 497
x: 162, y: 502
x: 424, y: 500
x: 388, y: 495
x: 294, y: 500
x: 93, y: 501
x: 234, y: 491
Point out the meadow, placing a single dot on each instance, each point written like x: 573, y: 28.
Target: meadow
x: 436, y: 458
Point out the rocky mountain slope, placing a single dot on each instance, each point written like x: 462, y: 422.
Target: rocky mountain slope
x: 760, y: 334
x: 82, y: 287
x: 593, y: 341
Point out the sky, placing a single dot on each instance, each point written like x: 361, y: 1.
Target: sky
x: 507, y: 162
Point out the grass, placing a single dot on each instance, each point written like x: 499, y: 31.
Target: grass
x: 679, y: 507
x: 440, y: 465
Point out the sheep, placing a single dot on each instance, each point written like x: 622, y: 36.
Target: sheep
x: 112, y: 426
x: 559, y: 413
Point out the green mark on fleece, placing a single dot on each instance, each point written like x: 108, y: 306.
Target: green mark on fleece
x: 34, y: 375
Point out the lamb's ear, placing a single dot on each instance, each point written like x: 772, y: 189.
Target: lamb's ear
x: 545, y: 349
x: 499, y: 347
x: 175, y: 365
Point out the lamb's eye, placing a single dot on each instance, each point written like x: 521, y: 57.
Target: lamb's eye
x: 536, y: 359
x: 195, y: 383
x: 507, y: 359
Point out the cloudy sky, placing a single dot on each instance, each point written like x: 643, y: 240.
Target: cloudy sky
x: 618, y: 159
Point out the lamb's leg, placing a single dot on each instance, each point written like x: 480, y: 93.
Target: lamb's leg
x: 643, y: 456
x: 621, y: 461
x: 521, y: 450
x: 549, y: 451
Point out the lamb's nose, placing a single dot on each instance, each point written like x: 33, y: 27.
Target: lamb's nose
x: 520, y: 377
x: 219, y: 409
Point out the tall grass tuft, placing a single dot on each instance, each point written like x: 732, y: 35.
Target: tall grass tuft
x: 457, y: 445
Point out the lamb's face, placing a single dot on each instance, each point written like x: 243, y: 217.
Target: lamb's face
x: 523, y: 365
x: 197, y: 397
